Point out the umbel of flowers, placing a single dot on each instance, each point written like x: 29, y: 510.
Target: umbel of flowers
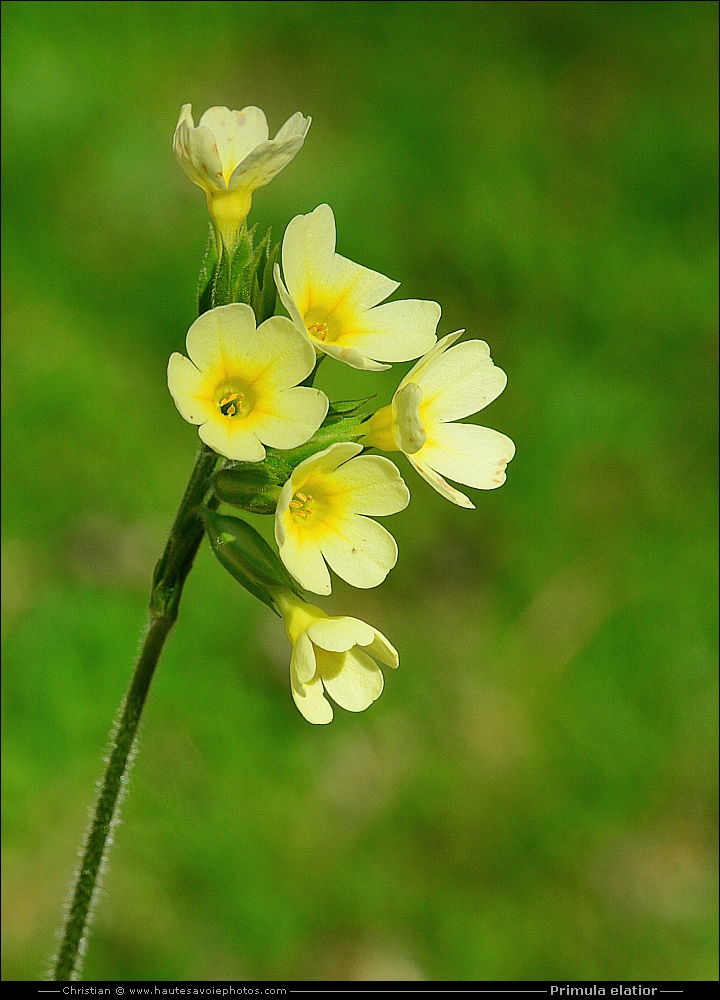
x: 273, y: 444
x: 282, y: 447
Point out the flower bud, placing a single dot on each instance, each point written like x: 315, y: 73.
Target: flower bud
x: 247, y: 557
x: 254, y: 489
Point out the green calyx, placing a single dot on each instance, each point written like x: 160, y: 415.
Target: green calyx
x: 241, y: 274
x: 247, y: 557
x: 254, y: 488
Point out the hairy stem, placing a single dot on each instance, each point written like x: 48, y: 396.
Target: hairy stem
x: 168, y: 580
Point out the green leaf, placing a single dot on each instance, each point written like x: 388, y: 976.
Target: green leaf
x: 247, y: 557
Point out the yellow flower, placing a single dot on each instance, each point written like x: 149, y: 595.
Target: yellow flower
x: 241, y: 384
x: 336, y: 301
x: 443, y: 387
x: 332, y: 655
x: 322, y: 515
x: 229, y: 156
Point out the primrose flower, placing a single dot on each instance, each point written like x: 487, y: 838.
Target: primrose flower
x: 336, y: 301
x: 229, y: 156
x: 322, y: 516
x: 333, y: 655
x: 241, y: 384
x: 444, y: 386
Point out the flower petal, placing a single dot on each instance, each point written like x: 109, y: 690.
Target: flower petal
x: 438, y: 483
x: 355, y: 287
x: 301, y: 555
x: 296, y: 125
x: 475, y: 456
x: 220, y: 336
x: 187, y: 388
x: 267, y: 160
x: 288, y: 301
x: 373, y: 485
x: 460, y: 382
x: 408, y: 429
x: 312, y: 703
x: 351, y: 357
x: 324, y: 462
x: 340, y: 634
x: 196, y: 151
x: 356, y: 684
x: 313, y: 270
x: 360, y: 551
x: 290, y: 417
x: 279, y: 352
x: 415, y: 373
x: 397, y: 331
x: 236, y: 133
x: 231, y: 439
x: 302, y: 661
x: 384, y: 651
x: 307, y: 253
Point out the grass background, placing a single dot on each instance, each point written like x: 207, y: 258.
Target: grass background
x: 534, y: 795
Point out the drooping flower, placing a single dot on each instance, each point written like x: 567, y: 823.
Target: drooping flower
x: 333, y: 655
x: 324, y: 515
x: 336, y: 301
x: 229, y: 155
x: 443, y: 387
x: 241, y: 384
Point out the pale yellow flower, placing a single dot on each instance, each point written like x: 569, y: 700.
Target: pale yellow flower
x: 336, y: 301
x: 333, y: 655
x: 444, y: 386
x: 241, y: 384
x: 322, y: 515
x: 229, y: 155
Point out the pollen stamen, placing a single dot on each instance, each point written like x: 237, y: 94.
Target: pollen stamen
x: 227, y: 404
x: 319, y: 330
x: 299, y: 504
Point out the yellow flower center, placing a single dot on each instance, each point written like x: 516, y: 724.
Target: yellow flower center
x: 300, y: 505
x: 326, y: 321
x: 319, y: 330
x: 233, y: 399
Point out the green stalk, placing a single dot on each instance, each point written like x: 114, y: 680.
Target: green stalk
x: 168, y: 581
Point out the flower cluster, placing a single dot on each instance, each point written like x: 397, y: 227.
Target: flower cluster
x: 286, y: 448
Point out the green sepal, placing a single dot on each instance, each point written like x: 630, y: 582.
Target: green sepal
x: 241, y: 268
x: 263, y: 293
x: 242, y: 274
x: 247, y: 557
x: 221, y: 280
x: 207, y: 274
x: 333, y: 432
x: 345, y: 408
x: 232, y: 273
x: 250, y: 486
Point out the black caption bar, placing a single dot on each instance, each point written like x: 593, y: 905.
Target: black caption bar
x: 219, y: 990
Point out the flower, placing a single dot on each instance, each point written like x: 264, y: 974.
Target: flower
x: 241, y: 384
x: 336, y: 301
x: 229, y: 156
x: 332, y: 655
x: 321, y: 515
x: 444, y: 386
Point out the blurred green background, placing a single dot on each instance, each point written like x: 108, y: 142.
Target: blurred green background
x: 534, y: 795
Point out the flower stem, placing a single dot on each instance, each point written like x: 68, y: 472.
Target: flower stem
x: 168, y: 580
